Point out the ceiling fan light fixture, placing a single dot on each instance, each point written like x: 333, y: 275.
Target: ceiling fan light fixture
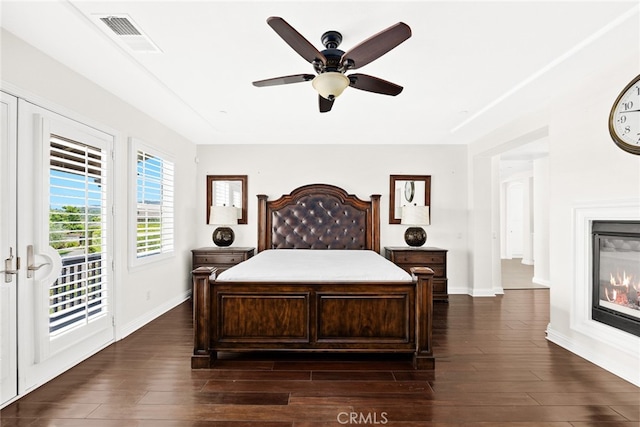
x: 330, y: 84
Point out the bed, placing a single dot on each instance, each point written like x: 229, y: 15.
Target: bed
x: 375, y: 308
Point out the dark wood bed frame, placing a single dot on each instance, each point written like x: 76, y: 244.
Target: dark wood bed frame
x: 353, y: 317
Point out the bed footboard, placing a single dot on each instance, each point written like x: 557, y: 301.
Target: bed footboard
x: 312, y: 317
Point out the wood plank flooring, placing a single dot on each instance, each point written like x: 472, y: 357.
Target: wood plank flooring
x: 516, y: 275
x: 494, y: 368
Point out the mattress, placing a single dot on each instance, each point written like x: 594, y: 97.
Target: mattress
x: 308, y: 265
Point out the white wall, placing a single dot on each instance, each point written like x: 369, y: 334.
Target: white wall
x: 484, y: 225
x: 362, y: 170
x: 584, y: 168
x: 587, y: 168
x: 28, y: 73
x: 541, y: 221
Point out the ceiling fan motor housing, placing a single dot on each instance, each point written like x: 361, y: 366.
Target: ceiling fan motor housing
x: 333, y: 61
x: 331, y: 39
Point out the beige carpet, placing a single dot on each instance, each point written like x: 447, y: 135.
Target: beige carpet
x: 516, y: 275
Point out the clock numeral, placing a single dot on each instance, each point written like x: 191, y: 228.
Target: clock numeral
x: 624, y: 118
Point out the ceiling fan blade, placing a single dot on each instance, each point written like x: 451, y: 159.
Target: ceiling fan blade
x: 296, y: 40
x: 284, y: 80
x: 325, y: 104
x: 374, y: 84
x: 376, y: 46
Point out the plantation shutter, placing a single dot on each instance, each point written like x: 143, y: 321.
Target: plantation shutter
x: 154, y: 203
x: 78, y: 232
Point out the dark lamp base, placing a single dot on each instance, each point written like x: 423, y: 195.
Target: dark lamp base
x: 223, y: 236
x: 415, y: 236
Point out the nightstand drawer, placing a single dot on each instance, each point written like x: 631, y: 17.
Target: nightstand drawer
x: 222, y: 258
x: 218, y: 259
x: 418, y: 258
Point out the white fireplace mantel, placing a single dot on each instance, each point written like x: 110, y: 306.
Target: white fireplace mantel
x: 623, y: 343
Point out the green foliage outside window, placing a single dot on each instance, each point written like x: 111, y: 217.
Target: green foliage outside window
x: 71, y: 228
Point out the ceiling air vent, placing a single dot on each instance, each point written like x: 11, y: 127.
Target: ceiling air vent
x: 121, y: 26
x: 128, y: 33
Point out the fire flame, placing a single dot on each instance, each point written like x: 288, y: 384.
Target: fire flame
x: 620, y: 288
x: 626, y: 280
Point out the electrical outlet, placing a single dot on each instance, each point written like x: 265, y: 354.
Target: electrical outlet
x: 148, y: 295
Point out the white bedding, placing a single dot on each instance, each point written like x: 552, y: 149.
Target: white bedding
x: 307, y: 265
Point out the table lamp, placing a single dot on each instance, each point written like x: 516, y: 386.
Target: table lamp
x: 415, y: 216
x: 223, y: 216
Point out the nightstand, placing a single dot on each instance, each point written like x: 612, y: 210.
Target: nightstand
x: 222, y: 258
x: 434, y: 258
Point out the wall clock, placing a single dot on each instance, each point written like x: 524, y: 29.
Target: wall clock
x: 409, y: 190
x: 624, y: 119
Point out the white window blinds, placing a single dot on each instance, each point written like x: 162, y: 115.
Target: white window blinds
x: 154, y: 205
x: 78, y: 231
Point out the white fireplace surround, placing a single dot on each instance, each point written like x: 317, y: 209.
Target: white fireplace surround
x: 627, y: 345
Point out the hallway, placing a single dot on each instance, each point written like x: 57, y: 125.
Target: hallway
x: 516, y: 275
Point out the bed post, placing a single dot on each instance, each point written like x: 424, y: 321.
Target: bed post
x: 375, y: 222
x: 201, y: 317
x: 262, y: 222
x: 423, y: 357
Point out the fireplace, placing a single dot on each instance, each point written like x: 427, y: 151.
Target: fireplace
x: 616, y: 274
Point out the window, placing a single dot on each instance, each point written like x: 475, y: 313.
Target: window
x: 153, y: 233
x: 77, y: 231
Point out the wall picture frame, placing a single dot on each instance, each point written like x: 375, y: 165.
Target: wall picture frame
x: 408, y: 190
x: 228, y: 190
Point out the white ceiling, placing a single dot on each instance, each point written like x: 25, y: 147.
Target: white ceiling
x: 468, y: 68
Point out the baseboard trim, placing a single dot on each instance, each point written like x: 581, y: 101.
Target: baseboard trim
x: 474, y: 293
x: 541, y: 282
x: 139, y: 322
x: 483, y: 293
x: 631, y: 375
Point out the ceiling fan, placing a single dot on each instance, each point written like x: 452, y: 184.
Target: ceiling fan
x: 332, y: 63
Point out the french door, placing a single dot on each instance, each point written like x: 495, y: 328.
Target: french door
x: 63, y: 220
x: 8, y: 249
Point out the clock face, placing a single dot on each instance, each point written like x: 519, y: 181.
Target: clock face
x: 624, y: 120
x: 409, y: 190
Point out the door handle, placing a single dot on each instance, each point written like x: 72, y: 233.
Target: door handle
x: 31, y: 262
x: 8, y: 264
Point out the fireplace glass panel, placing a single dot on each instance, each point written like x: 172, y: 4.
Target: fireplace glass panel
x: 616, y: 274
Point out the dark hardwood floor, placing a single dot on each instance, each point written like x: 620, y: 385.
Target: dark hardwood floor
x: 494, y: 368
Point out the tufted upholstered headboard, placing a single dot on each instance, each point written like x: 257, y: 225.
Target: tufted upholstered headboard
x: 319, y: 216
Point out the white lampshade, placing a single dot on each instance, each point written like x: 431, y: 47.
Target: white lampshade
x: 330, y: 84
x: 415, y: 215
x: 223, y: 215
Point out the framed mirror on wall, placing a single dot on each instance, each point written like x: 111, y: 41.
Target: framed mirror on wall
x: 228, y: 190
x: 407, y: 190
